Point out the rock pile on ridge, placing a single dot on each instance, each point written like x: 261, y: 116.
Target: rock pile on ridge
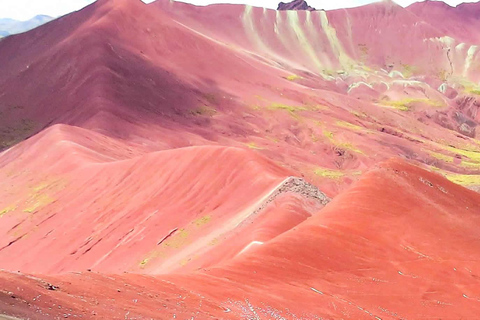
x: 295, y: 5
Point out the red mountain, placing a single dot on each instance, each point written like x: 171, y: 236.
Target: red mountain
x: 168, y: 160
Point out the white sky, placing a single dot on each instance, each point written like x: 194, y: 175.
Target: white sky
x: 26, y: 9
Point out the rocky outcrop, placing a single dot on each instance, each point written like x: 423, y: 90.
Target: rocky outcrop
x: 298, y: 186
x: 295, y: 5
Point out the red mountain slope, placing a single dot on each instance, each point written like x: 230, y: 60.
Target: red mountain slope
x: 290, y: 84
x: 180, y: 154
x: 403, y: 235
x: 163, y: 210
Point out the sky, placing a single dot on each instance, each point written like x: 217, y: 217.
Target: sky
x: 26, y: 9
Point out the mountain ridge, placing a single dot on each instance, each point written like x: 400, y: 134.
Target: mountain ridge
x: 295, y: 5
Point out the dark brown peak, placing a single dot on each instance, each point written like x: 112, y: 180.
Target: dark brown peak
x: 389, y: 7
x: 390, y: 4
x: 295, y: 5
x: 430, y: 4
x: 163, y: 1
x: 466, y: 9
x: 473, y: 8
x: 129, y: 7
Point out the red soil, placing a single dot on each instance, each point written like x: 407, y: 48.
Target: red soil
x: 111, y: 208
x: 321, y: 269
x: 145, y: 142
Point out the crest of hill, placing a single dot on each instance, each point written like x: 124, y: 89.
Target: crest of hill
x: 461, y: 22
x: 295, y: 5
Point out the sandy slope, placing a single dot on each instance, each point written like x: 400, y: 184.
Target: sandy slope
x: 109, y: 208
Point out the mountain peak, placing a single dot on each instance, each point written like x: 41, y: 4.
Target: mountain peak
x: 295, y: 5
x: 118, y: 2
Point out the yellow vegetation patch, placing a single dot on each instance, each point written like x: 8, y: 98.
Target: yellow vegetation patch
x: 470, y: 87
x: 175, y: 241
x: 151, y: 256
x: 472, y: 145
x: 463, y: 179
x: 178, y: 239
x: 274, y: 139
x: 328, y: 134
x: 52, y: 185
x: 7, y: 210
x: 253, y: 145
x: 442, y: 75
x: 214, y: 242
x: 440, y: 156
x: 40, y: 197
x: 449, y: 159
x: 328, y: 72
x: 472, y: 155
x: 202, y: 221
x: 329, y: 174
x: 349, y: 125
x: 293, y: 77
x: 408, y: 70
x: 318, y: 107
x: 408, y: 103
x: 292, y: 109
x: 143, y: 263
x: 37, y: 202
x: 281, y: 106
x: 41, y: 186
x: 335, y: 174
x: 470, y: 165
x: 343, y: 145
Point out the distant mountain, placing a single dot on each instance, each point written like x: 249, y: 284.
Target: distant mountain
x: 10, y: 26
